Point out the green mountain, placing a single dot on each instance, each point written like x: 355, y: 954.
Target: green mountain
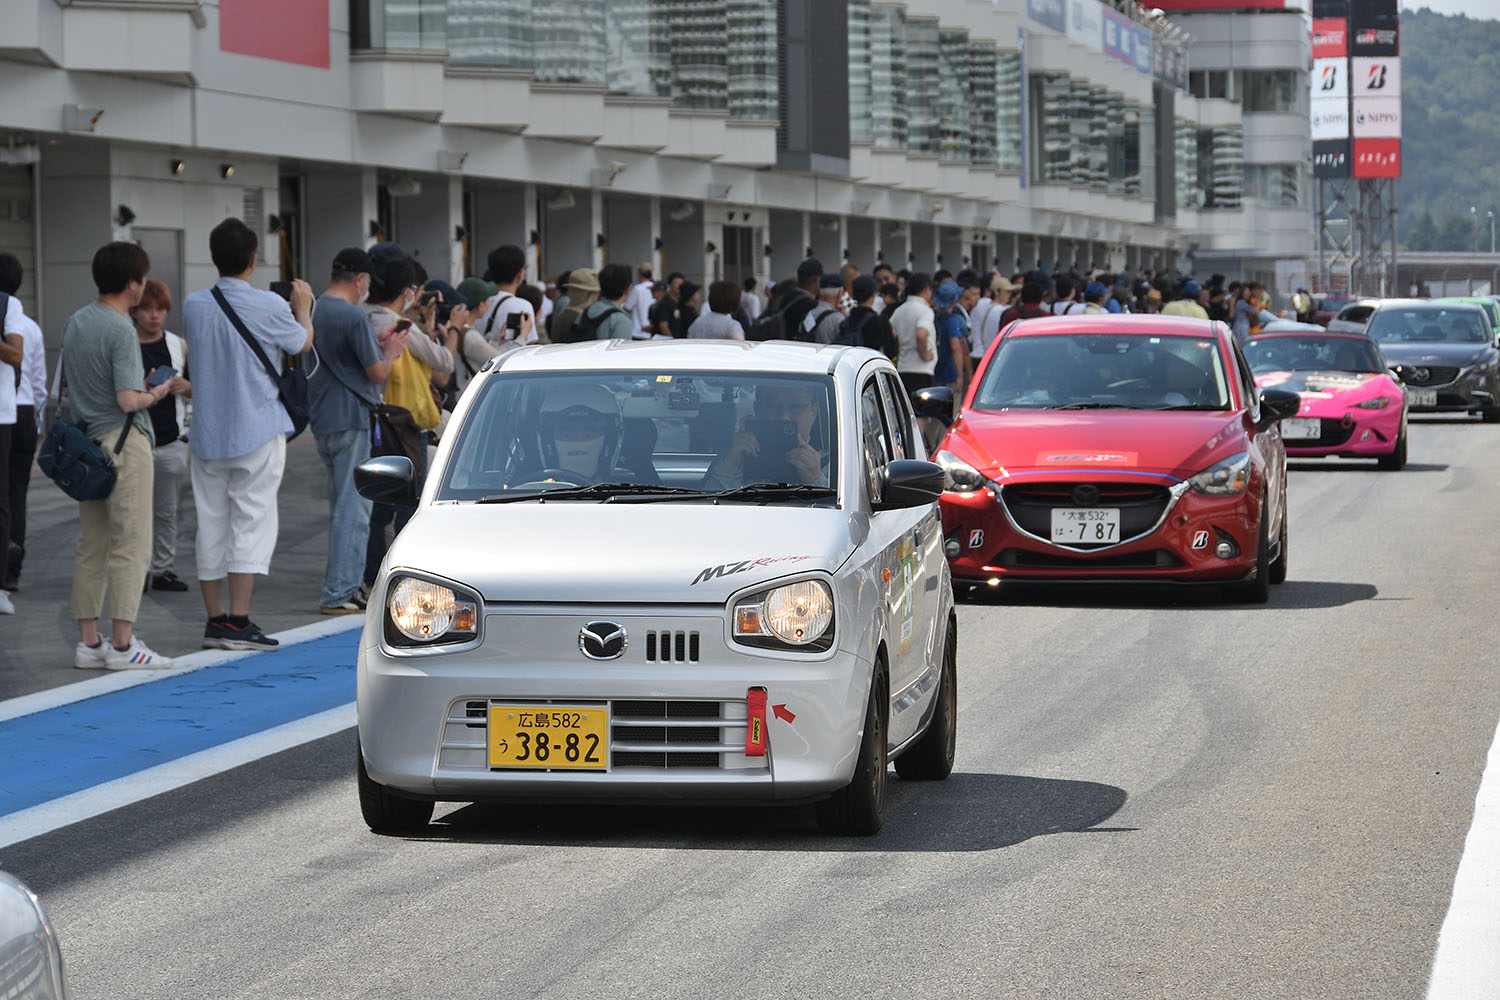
x: 1451, y: 131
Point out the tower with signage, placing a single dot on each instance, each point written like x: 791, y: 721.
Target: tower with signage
x: 1356, y: 130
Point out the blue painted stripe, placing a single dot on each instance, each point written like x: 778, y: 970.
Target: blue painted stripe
x: 77, y: 746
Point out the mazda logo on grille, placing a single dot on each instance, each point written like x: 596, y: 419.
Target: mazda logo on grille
x: 1085, y: 495
x: 1421, y: 374
x: 602, y: 640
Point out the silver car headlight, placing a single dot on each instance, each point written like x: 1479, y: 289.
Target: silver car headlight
x: 1231, y: 475
x: 962, y: 476
x: 421, y: 612
x: 793, y: 616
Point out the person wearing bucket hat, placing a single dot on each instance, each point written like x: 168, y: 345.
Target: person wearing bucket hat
x: 581, y: 287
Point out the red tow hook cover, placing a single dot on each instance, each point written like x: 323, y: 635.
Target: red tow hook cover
x: 756, y: 734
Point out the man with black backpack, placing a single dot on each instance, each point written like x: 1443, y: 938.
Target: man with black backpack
x: 865, y: 326
x: 608, y: 318
x: 785, y: 319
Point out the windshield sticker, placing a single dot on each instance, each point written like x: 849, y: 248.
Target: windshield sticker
x: 1122, y: 458
x: 729, y: 569
x: 663, y: 378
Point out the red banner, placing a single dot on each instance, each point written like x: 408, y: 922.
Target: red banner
x: 293, y: 31
x: 1377, y: 158
x: 1330, y: 37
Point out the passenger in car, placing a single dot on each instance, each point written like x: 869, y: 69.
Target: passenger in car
x: 787, y: 412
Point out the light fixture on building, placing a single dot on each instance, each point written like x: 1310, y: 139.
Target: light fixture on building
x: 710, y: 248
x: 451, y: 161
x: 601, y: 241
x: 859, y: 207
x: 719, y: 192
x: 982, y: 222
x: 404, y: 187
x: 226, y: 170
x: 879, y: 254
x: 19, y: 154
x: 809, y: 252
x: 605, y: 177
x: 911, y: 258
x: 534, y: 238
x: 77, y: 118
x: 846, y: 253
x: 274, y: 224
x: 658, y: 244
x: 377, y: 231
x: 562, y: 201
x: 934, y: 208
x: 178, y: 166
x: 680, y: 211
x: 123, y: 215
x: 765, y: 251
x: 460, y: 234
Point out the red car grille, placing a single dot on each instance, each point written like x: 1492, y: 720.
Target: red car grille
x: 1030, y: 505
x: 1022, y: 558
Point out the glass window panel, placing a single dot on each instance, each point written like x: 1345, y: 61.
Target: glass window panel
x: 699, y: 66
x: 1008, y: 111
x: 638, y: 38
x: 489, y: 33
x: 1123, y: 153
x: 1080, y: 129
x: 1189, y: 184
x: 860, y: 127
x: 399, y: 24
x: 983, y: 74
x: 752, y: 59
x: 889, y: 107
x: 568, y: 41
x: 953, y: 95
x: 1273, y: 90
x: 922, y: 86
x: 1052, y: 104
x: 1221, y: 167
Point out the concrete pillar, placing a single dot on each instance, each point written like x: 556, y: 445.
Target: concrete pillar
x: 806, y: 249
x: 596, y: 226
x: 658, y: 255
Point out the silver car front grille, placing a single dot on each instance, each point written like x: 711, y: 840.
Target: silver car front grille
x: 662, y: 735
x: 672, y: 647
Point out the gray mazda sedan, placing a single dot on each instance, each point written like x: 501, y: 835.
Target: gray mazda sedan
x: 684, y: 571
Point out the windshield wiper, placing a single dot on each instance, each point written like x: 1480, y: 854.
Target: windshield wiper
x: 1190, y: 406
x: 1094, y: 406
x: 597, y: 490
x: 775, y: 491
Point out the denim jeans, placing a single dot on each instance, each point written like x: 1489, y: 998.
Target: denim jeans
x: 349, y: 515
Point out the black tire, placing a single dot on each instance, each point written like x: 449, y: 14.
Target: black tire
x: 1396, y: 460
x: 857, y: 809
x: 930, y: 758
x: 384, y: 810
x: 1258, y: 590
x: 1278, y: 565
x: 1490, y: 416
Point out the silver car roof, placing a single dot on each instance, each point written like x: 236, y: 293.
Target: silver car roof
x: 778, y: 356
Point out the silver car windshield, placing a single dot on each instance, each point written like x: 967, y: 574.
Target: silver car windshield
x: 1104, y: 371
x: 1462, y: 324
x: 603, y: 435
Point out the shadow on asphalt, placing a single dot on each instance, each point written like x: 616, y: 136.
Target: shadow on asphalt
x: 1294, y: 593
x: 1424, y: 418
x: 968, y: 812
x: 1358, y: 465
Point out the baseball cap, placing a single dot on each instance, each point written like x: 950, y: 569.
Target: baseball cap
x: 451, y: 296
x: 351, y: 260
x: 863, y: 288
x: 1003, y: 284
x: 476, y: 290
x: 831, y: 281
x: 1095, y: 289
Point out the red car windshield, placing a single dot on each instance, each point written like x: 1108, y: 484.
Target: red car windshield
x: 1322, y: 354
x: 1132, y: 371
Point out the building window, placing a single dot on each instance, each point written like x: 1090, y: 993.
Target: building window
x: 1189, y: 183
x: 489, y: 33
x: 1276, y: 184
x: 983, y: 74
x: 398, y: 24
x: 752, y: 59
x: 639, y: 42
x: 568, y: 42
x: 1273, y: 90
x: 1221, y: 167
x: 953, y: 95
x: 889, y: 102
x: 860, y: 126
x: 1051, y: 108
x: 700, y: 74
x: 1210, y: 83
x: 922, y: 86
x: 1008, y: 151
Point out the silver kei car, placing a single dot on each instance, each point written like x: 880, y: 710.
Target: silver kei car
x: 682, y: 571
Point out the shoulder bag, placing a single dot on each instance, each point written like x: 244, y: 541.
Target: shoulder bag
x: 74, y: 461
x: 291, y: 385
x: 393, y: 430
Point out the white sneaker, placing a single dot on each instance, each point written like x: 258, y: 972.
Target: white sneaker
x: 90, y: 657
x: 138, y: 657
x: 6, y: 608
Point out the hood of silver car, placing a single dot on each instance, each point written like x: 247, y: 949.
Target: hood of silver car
x: 659, y: 553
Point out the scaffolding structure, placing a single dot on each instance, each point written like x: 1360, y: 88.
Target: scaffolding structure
x: 1357, y: 236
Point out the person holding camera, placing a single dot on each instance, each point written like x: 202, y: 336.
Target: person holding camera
x: 240, y: 429
x: 510, y: 320
x: 163, y: 351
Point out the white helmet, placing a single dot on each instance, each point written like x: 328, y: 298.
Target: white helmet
x: 580, y: 429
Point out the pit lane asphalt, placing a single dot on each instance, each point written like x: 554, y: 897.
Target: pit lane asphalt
x: 1157, y: 794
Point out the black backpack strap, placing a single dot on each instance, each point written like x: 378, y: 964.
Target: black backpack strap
x: 249, y: 338
x: 495, y: 312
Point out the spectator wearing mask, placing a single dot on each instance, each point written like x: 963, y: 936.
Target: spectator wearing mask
x: 981, y: 308
x: 915, y: 327
x: 1093, y: 297
x: 865, y: 326
x: 827, y: 314
x: 31, y: 401
x: 1188, y: 302
x: 582, y: 291
x: 510, y: 320
x: 239, y: 430
x: 353, y: 364
x: 640, y: 301
x: 1119, y: 297
x: 556, y: 297
x: 160, y: 348
x: 718, y: 322
x: 108, y: 396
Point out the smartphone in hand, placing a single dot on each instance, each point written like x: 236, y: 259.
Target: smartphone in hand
x: 160, y: 375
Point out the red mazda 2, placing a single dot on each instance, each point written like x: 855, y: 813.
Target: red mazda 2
x: 1116, y: 448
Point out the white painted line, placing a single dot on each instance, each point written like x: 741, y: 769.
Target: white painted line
x: 119, y: 680
x: 1467, y: 966
x: 100, y: 799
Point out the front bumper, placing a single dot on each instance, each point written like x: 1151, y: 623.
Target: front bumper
x: 678, y: 724
x: 1180, y: 549
x: 1355, y: 433
x: 1469, y: 392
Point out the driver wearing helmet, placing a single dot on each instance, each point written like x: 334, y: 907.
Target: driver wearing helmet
x: 579, y: 432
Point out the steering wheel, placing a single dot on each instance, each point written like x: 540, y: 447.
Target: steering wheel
x: 553, y: 476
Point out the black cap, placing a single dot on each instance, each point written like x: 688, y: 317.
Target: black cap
x: 863, y: 288
x: 450, y: 295
x: 351, y: 260
x: 831, y: 281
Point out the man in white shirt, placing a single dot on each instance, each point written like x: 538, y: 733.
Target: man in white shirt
x: 750, y: 300
x: 12, y: 355
x: 510, y: 321
x: 916, y: 333
x: 31, y: 400
x: 640, y: 302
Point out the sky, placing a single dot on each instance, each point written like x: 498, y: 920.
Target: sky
x: 1473, y: 8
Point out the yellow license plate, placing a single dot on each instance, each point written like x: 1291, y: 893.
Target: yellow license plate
x: 549, y: 736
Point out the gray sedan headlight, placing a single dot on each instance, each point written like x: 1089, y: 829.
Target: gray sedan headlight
x: 421, y: 612
x: 794, y: 616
